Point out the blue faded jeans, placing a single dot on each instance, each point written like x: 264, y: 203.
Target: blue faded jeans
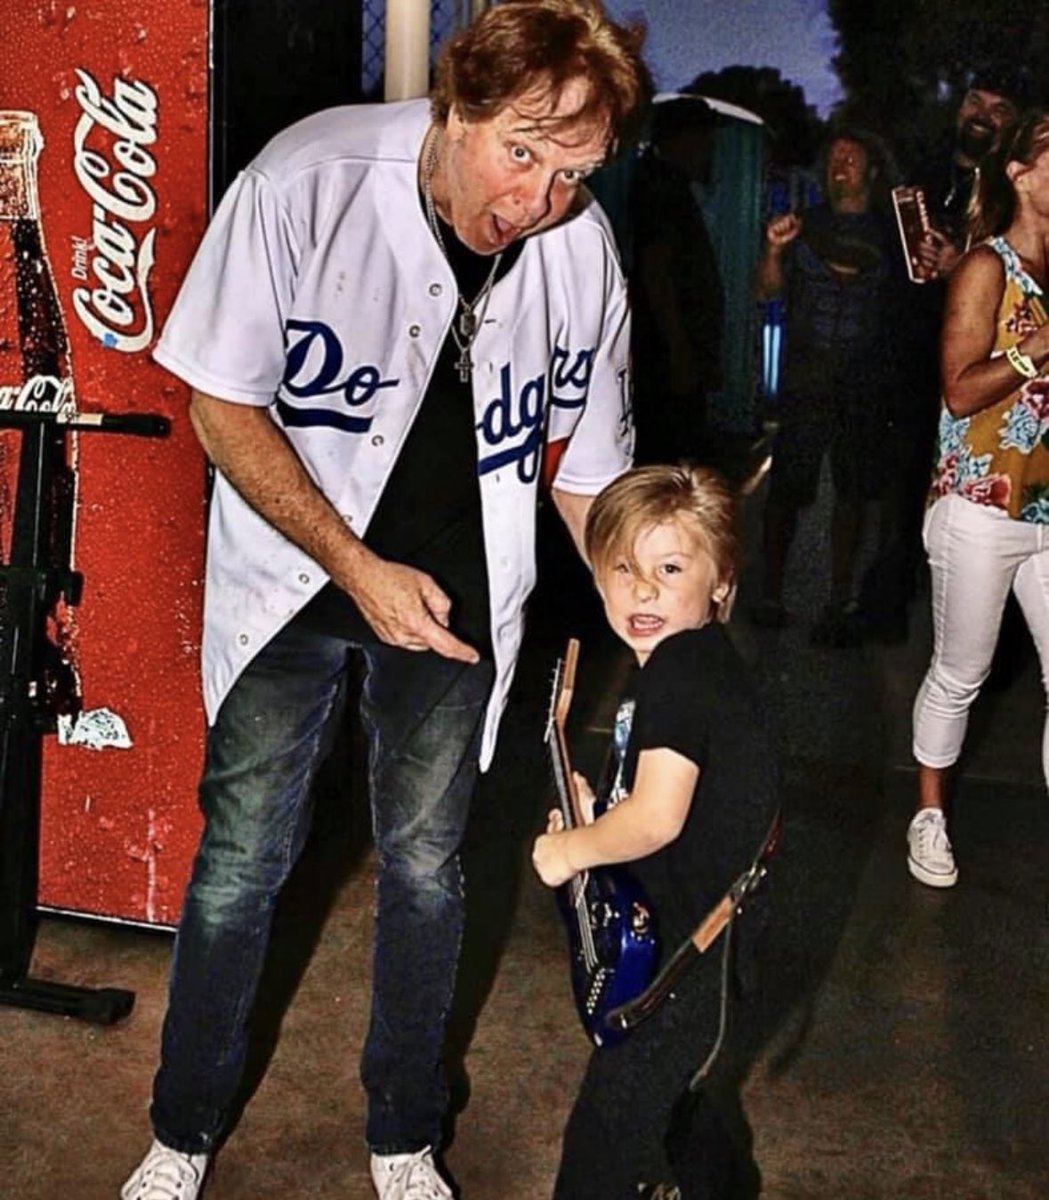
x: 422, y: 716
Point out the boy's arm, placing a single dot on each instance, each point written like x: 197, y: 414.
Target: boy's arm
x: 648, y: 819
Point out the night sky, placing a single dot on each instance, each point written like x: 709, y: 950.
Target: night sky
x: 689, y: 36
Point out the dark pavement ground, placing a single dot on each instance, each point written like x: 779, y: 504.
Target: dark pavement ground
x: 899, y: 1047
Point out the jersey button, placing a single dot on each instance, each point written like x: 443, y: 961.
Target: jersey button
x: 303, y: 577
x: 414, y: 330
x: 436, y: 289
x: 243, y: 639
x: 378, y: 440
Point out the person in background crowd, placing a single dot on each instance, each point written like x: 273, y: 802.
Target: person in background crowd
x: 370, y: 328
x: 832, y: 263
x: 675, y: 289
x: 988, y: 109
x: 987, y: 528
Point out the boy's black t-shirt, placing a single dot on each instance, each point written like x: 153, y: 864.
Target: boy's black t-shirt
x: 695, y: 695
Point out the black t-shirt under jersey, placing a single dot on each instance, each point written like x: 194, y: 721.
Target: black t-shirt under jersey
x: 429, y: 514
x: 695, y: 696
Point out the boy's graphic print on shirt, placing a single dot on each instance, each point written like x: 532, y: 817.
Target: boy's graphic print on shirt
x: 620, y: 738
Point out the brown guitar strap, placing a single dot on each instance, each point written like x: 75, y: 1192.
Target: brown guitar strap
x: 719, y: 920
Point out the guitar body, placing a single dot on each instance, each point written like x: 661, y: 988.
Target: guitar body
x: 612, y: 946
x: 612, y: 941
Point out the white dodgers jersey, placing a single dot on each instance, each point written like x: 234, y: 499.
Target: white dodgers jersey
x: 320, y: 292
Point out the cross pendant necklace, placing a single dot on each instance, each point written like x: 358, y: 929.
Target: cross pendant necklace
x: 467, y: 332
x: 468, y: 321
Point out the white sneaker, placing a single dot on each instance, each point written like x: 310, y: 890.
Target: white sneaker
x: 929, y: 857
x: 166, y: 1174
x: 408, y: 1177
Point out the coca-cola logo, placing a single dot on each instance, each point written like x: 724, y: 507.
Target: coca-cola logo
x: 114, y: 171
x: 39, y: 393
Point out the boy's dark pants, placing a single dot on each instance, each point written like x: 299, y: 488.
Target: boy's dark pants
x: 634, y: 1121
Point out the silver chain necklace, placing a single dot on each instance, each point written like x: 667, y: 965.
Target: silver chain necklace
x: 471, y: 313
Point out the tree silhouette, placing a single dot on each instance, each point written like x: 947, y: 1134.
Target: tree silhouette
x: 795, y: 126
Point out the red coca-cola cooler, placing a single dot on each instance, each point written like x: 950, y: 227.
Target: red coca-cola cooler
x: 120, y: 125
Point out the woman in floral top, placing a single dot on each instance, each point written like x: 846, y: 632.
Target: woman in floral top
x: 987, y: 526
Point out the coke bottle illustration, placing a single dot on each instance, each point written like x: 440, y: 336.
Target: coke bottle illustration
x: 35, y: 367
x: 42, y: 344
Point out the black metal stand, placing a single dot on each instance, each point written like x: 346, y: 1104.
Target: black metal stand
x: 36, y: 685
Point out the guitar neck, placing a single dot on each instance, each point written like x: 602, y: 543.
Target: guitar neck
x: 564, y: 686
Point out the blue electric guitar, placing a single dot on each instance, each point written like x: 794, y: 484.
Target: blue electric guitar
x: 611, y: 926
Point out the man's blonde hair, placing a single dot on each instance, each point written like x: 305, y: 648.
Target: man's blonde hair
x: 514, y: 48
x: 648, y: 496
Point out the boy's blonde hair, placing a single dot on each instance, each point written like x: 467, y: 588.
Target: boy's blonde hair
x: 651, y: 495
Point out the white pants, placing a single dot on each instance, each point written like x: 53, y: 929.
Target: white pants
x: 976, y: 554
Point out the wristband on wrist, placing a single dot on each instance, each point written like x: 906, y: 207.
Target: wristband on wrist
x: 1023, y: 363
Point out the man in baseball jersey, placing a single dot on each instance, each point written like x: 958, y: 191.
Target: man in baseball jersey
x: 402, y: 318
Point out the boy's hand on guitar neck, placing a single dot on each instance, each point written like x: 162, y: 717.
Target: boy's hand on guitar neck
x: 550, y: 854
x: 585, y: 797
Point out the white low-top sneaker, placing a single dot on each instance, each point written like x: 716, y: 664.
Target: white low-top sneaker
x: 166, y: 1174
x: 408, y: 1177
x: 929, y: 855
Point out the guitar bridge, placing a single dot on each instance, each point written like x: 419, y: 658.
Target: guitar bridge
x: 595, y: 990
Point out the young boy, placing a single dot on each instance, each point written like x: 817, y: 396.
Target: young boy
x: 692, y: 800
